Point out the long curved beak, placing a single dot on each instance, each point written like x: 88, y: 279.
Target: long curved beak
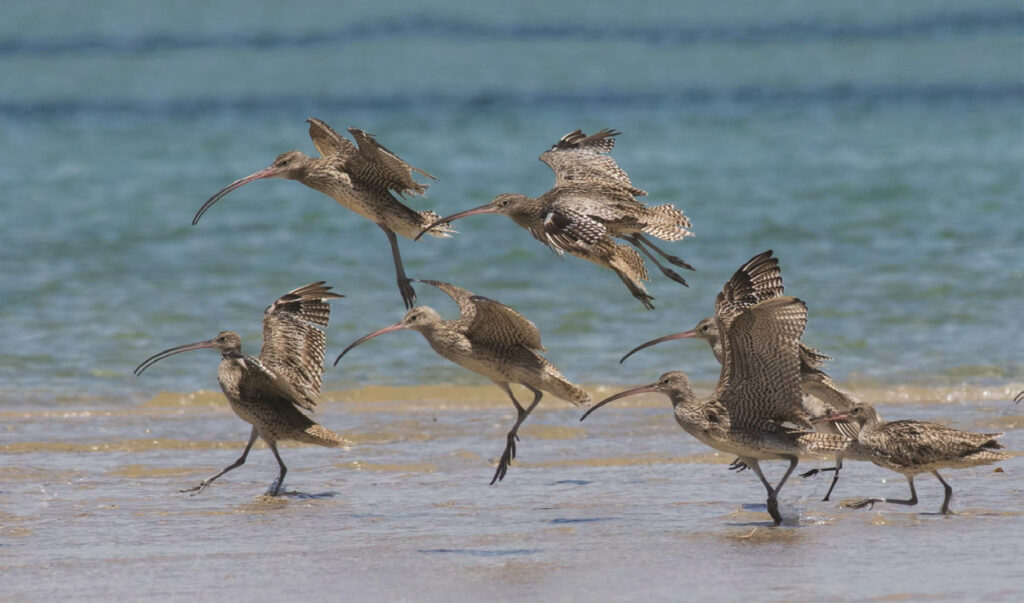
x: 835, y: 417
x: 683, y: 335
x: 1019, y: 398
x: 267, y: 172
x: 643, y: 389
x: 148, y: 362
x: 395, y: 327
x: 483, y: 209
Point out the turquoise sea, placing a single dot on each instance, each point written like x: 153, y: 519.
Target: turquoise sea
x: 877, y: 148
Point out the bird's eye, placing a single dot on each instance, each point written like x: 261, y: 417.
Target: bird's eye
x: 705, y: 328
x: 504, y: 203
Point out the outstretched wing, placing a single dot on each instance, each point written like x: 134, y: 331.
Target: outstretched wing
x: 329, y: 142
x: 760, y: 379
x: 564, y: 229
x: 579, y: 159
x: 461, y: 296
x: 497, y: 326
x: 757, y: 280
x: 294, y: 342
x: 383, y: 168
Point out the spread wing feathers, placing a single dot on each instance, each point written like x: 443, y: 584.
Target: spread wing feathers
x: 578, y: 158
x: 379, y: 166
x: 293, y: 342
x: 563, y: 230
x: 757, y: 280
x: 620, y: 213
x: 910, y: 443
x: 498, y: 326
x: 329, y: 142
x: 812, y: 359
x: 760, y: 379
x: 461, y: 296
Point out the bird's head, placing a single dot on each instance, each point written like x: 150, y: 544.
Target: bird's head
x: 860, y: 413
x: 291, y: 165
x: 419, y: 318
x: 505, y: 204
x: 226, y: 342
x: 671, y: 383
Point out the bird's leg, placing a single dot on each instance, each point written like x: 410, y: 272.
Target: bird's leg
x: 404, y: 286
x: 674, y: 260
x: 871, y: 501
x: 835, y: 478
x: 510, y: 441
x: 773, y: 504
x: 949, y: 493
x: 241, y: 461
x: 635, y: 240
x: 275, y: 488
x: 637, y: 292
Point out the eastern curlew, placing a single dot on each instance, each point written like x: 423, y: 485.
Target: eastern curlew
x: 911, y: 447
x: 492, y: 340
x: 758, y: 280
x: 267, y: 391
x: 593, y: 200
x: 758, y: 391
x: 360, y: 178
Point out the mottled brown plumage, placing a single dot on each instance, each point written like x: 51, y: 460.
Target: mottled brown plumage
x: 912, y: 447
x: 492, y: 340
x: 268, y: 391
x: 364, y: 179
x: 758, y: 280
x: 593, y: 200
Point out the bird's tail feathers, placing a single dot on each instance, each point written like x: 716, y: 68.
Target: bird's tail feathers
x: 667, y: 223
x: 428, y: 217
x: 322, y: 436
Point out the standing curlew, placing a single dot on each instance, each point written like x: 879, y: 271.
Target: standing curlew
x: 758, y: 391
x: 267, y: 392
x: 912, y: 447
x: 593, y: 200
x: 758, y: 280
x: 362, y: 179
x: 492, y: 340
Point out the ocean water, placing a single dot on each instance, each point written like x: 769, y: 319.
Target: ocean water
x: 877, y: 149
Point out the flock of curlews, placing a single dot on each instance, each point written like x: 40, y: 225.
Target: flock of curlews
x: 758, y: 410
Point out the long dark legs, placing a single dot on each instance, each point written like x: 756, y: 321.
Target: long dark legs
x: 949, y: 493
x: 638, y: 241
x: 241, y: 461
x: 870, y: 502
x: 510, y: 443
x: 276, y: 486
x: 404, y: 287
x: 773, y: 493
x: 672, y: 259
x: 835, y: 477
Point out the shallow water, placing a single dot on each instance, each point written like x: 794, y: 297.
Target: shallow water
x: 876, y: 149
x: 620, y: 507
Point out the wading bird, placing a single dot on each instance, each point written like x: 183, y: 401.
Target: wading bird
x: 912, y: 447
x: 268, y: 391
x: 362, y: 179
x: 758, y: 280
x: 492, y: 340
x: 593, y: 200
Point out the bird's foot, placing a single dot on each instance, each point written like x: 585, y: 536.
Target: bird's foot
x: 864, y: 502
x: 738, y: 466
x: 672, y: 274
x: 810, y: 473
x: 197, y: 489
x: 275, y: 488
x: 644, y: 299
x: 408, y: 293
x: 773, y: 510
x: 678, y: 261
x: 506, y: 458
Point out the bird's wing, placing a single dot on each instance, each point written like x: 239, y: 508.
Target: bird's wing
x: 294, y: 342
x: 461, y: 296
x: 579, y: 159
x: 757, y: 280
x: 566, y: 230
x: 329, y: 142
x: 381, y: 167
x: 497, y: 326
x: 760, y: 379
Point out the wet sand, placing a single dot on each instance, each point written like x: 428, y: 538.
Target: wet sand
x: 622, y: 507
